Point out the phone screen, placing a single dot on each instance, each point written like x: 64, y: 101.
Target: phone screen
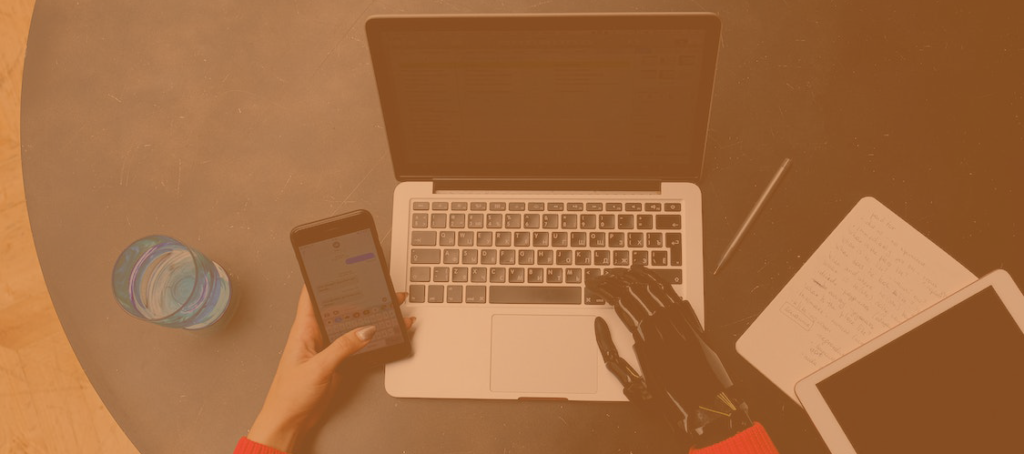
x: 347, y: 281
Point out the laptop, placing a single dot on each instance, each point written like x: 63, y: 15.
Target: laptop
x: 533, y: 153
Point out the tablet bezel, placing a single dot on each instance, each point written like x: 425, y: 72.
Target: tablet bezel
x: 813, y: 401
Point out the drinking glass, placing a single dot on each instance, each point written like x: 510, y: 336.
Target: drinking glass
x: 158, y: 279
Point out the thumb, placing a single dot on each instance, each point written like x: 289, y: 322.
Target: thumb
x: 346, y: 345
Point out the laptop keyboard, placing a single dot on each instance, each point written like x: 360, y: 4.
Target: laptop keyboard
x: 535, y: 252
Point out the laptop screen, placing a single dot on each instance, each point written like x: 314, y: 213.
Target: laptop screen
x: 546, y: 97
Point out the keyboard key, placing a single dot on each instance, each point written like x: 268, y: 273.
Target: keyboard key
x: 497, y: 276
x: 578, y: 239
x: 545, y: 257
x: 419, y: 274
x: 621, y: 258
x: 556, y: 206
x: 439, y: 206
x: 591, y: 298
x: 582, y: 258
x: 606, y: 221
x: 460, y: 273
x: 417, y: 293
x: 446, y: 238
x: 568, y: 221
x: 497, y: 206
x: 420, y: 220
x: 574, y: 206
x: 478, y: 206
x: 507, y: 257
x: 588, y: 221
x: 457, y: 220
x: 494, y: 221
x: 635, y: 240
x: 424, y: 238
x: 535, y: 275
x: 540, y: 239
x: 554, y: 275
x: 531, y: 220
x: 616, y: 239
x: 550, y: 221
x: 459, y: 206
x: 470, y: 256
x: 484, y: 239
x: 573, y: 276
x: 451, y: 257
x: 652, y: 206
x: 435, y: 293
x: 476, y: 294
x: 675, y: 248
x: 476, y: 221
x: 526, y: 257
x: 521, y: 294
x: 421, y: 206
x: 521, y: 239
x: 454, y: 294
x: 517, y: 206
x: 535, y: 206
x: 465, y: 239
x: 669, y: 222
x: 644, y: 221
x: 674, y: 276
x: 563, y: 257
x: 591, y: 273
x: 517, y: 275
x: 595, y: 206
x: 488, y: 257
x: 634, y: 207
x: 503, y: 239
x: 513, y: 221
x: 597, y: 239
x: 602, y: 257
x: 640, y: 258
x: 425, y: 256
x: 559, y: 239
x: 441, y: 274
x: 438, y: 220
x: 673, y: 207
x: 654, y: 240
x: 613, y: 206
x: 478, y: 274
x: 659, y: 258
x: 625, y: 221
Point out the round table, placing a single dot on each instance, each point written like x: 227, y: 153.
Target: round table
x: 225, y: 124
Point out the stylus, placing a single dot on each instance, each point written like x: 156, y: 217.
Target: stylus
x: 753, y: 213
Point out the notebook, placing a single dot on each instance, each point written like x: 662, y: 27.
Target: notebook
x: 535, y: 152
x: 873, y: 272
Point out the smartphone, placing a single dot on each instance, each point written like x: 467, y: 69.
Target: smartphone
x: 348, y: 282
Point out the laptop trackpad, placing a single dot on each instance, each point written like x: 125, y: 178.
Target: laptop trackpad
x: 544, y: 354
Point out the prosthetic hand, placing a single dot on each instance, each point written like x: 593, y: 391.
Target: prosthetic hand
x: 683, y: 379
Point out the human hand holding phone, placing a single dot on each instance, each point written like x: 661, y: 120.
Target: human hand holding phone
x: 306, y: 377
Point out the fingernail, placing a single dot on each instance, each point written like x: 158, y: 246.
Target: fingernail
x: 366, y: 333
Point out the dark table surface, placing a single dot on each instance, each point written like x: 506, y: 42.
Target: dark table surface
x: 225, y: 124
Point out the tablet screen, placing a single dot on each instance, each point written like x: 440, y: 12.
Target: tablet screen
x: 953, y: 384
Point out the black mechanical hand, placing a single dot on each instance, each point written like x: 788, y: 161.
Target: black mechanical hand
x: 683, y: 379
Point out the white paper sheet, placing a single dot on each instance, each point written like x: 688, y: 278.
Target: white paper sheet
x: 873, y: 272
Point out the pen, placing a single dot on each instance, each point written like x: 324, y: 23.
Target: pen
x: 753, y: 213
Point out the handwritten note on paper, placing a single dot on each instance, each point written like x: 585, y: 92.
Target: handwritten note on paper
x: 873, y: 272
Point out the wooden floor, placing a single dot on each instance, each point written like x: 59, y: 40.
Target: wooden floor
x: 46, y: 403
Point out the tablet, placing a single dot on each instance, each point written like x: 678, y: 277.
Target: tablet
x: 950, y: 379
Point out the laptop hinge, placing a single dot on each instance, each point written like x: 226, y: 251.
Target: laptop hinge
x: 545, y: 185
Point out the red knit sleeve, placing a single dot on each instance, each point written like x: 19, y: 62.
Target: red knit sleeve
x: 247, y: 446
x: 753, y: 440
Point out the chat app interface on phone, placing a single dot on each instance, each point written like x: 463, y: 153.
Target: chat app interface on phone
x: 348, y: 285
